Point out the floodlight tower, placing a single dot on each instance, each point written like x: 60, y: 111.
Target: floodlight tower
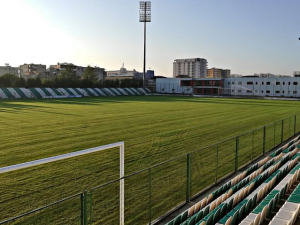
x: 145, y: 16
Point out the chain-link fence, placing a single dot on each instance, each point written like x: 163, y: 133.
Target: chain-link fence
x: 153, y: 192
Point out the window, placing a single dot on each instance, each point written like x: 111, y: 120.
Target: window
x: 256, y: 83
x: 295, y: 83
x: 268, y: 91
x: 277, y: 83
x: 249, y: 91
x: 268, y: 83
x: 231, y: 90
x: 277, y: 92
x: 289, y: 83
x: 282, y: 92
x: 262, y: 83
x: 249, y: 83
x: 239, y: 91
x: 262, y: 91
x: 283, y: 83
x: 232, y: 82
x: 294, y: 92
x: 228, y: 82
x: 240, y: 83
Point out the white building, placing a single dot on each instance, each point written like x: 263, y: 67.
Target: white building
x: 263, y: 86
x: 195, y: 67
x: 240, y: 86
x: 8, y: 69
x: 122, y: 73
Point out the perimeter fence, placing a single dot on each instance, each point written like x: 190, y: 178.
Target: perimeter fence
x: 153, y: 192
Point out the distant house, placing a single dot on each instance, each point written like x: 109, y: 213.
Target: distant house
x: 9, y: 69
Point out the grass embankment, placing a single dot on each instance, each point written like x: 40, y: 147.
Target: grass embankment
x: 154, y: 129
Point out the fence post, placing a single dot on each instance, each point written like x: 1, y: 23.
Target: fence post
x: 252, y: 146
x: 188, y: 177
x: 217, y: 159
x: 295, y: 122
x: 264, y: 141
x: 84, y: 208
x: 236, y: 153
x: 282, y: 131
x: 90, y: 208
x: 150, y: 196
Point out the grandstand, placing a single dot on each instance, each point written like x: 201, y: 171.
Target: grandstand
x: 265, y: 193
x: 23, y: 93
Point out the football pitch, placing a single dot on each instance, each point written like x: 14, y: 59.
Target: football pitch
x: 154, y: 128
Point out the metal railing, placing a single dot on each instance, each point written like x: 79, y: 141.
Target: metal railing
x: 153, y: 192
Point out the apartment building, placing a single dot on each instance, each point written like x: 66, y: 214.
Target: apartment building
x: 33, y: 70
x: 218, y: 73
x: 78, y: 70
x: 194, y: 67
x: 9, y: 69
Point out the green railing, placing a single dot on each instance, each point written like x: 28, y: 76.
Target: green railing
x: 153, y: 192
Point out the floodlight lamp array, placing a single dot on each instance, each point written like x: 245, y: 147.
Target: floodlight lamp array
x: 145, y: 11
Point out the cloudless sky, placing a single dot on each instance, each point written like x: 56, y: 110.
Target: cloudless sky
x: 246, y: 36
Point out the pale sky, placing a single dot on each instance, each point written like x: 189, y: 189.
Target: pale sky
x: 246, y: 36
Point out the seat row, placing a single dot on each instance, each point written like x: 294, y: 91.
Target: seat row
x: 268, y: 204
x: 263, y: 183
x: 290, y: 210
x: 211, y: 203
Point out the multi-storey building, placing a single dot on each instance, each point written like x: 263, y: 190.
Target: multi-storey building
x: 218, y: 73
x: 122, y: 73
x: 78, y: 70
x: 195, y: 67
x: 9, y: 69
x: 33, y: 70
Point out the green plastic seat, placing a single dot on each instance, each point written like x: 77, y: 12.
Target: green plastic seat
x: 206, y: 211
x: 209, y: 221
x: 177, y: 220
x: 234, y: 220
x: 191, y: 221
x: 216, y: 216
x: 223, y: 210
x: 199, y: 216
x: 241, y: 213
x: 171, y: 222
x: 184, y: 216
x: 247, y: 207
x: 229, y: 206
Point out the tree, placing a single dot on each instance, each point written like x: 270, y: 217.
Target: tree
x: 90, y: 75
x: 69, y: 73
x: 8, y: 80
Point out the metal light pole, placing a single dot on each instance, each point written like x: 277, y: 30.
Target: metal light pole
x: 145, y: 16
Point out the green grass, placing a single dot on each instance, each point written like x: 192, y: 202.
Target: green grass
x: 154, y: 129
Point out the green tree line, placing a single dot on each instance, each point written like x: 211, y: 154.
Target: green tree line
x: 67, y: 78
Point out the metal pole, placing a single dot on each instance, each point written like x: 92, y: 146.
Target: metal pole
x: 217, y: 159
x: 282, y: 131
x: 144, y: 48
x: 295, y: 122
x: 252, y: 146
x: 122, y: 181
x: 236, y: 153
x: 150, y: 197
x: 85, y: 208
x: 188, y: 177
x: 264, y: 141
